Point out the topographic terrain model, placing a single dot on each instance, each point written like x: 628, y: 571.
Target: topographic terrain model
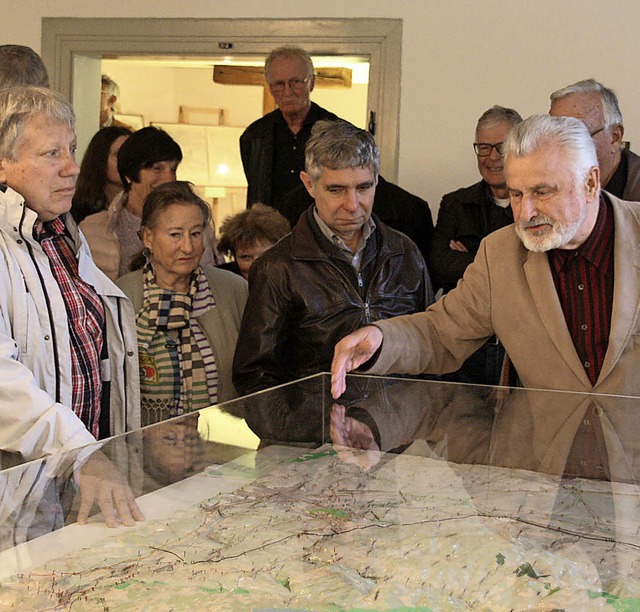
x: 324, y: 533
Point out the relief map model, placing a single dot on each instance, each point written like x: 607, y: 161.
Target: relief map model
x: 324, y: 533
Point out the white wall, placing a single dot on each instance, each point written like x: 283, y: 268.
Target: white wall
x: 459, y: 57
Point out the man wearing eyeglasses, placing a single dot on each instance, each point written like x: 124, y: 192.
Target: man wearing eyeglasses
x: 272, y: 148
x: 109, y: 93
x: 597, y: 106
x: 465, y: 217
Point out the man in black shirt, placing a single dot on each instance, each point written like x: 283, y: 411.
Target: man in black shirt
x: 272, y: 148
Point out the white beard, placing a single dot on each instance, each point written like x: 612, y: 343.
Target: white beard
x: 557, y: 236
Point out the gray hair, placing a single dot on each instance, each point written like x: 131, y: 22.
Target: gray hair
x: 18, y: 105
x: 288, y: 52
x: 109, y: 85
x: 541, y: 131
x: 20, y: 65
x: 610, y: 107
x: 497, y: 114
x: 337, y: 145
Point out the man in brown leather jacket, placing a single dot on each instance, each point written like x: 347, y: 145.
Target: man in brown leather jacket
x: 339, y: 269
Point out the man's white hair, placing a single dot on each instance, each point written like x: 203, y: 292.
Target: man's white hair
x: 541, y: 131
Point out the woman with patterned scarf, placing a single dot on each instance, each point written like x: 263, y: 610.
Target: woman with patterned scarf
x: 188, y: 315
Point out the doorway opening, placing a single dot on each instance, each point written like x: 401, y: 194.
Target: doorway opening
x: 206, y: 103
x: 74, y: 50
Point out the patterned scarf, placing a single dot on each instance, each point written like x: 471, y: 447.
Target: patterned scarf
x: 178, y: 372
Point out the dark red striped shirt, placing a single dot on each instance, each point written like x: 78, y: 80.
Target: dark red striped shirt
x: 584, y: 281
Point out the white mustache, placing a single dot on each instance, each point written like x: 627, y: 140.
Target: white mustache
x: 537, y: 221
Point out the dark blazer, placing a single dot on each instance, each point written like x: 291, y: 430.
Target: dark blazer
x: 466, y: 215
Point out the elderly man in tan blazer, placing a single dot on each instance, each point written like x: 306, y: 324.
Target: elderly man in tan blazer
x: 560, y: 288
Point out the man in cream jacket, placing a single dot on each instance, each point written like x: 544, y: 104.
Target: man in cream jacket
x: 68, y: 361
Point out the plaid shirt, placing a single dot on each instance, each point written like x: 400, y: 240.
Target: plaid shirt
x: 85, y: 314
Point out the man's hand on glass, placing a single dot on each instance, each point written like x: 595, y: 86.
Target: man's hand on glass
x: 101, y: 482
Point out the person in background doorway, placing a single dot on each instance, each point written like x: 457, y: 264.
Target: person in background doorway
x: 20, y: 65
x: 99, y: 181
x: 109, y: 94
x: 272, y: 148
x: 247, y: 235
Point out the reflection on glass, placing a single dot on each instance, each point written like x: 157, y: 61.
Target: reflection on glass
x: 405, y: 493
x: 172, y: 450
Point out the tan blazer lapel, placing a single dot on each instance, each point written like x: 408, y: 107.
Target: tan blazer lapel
x: 545, y: 299
x: 626, y: 290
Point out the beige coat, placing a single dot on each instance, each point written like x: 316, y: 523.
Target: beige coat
x: 509, y: 291
x: 100, y: 235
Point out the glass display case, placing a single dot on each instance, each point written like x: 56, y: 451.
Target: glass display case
x: 404, y: 494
